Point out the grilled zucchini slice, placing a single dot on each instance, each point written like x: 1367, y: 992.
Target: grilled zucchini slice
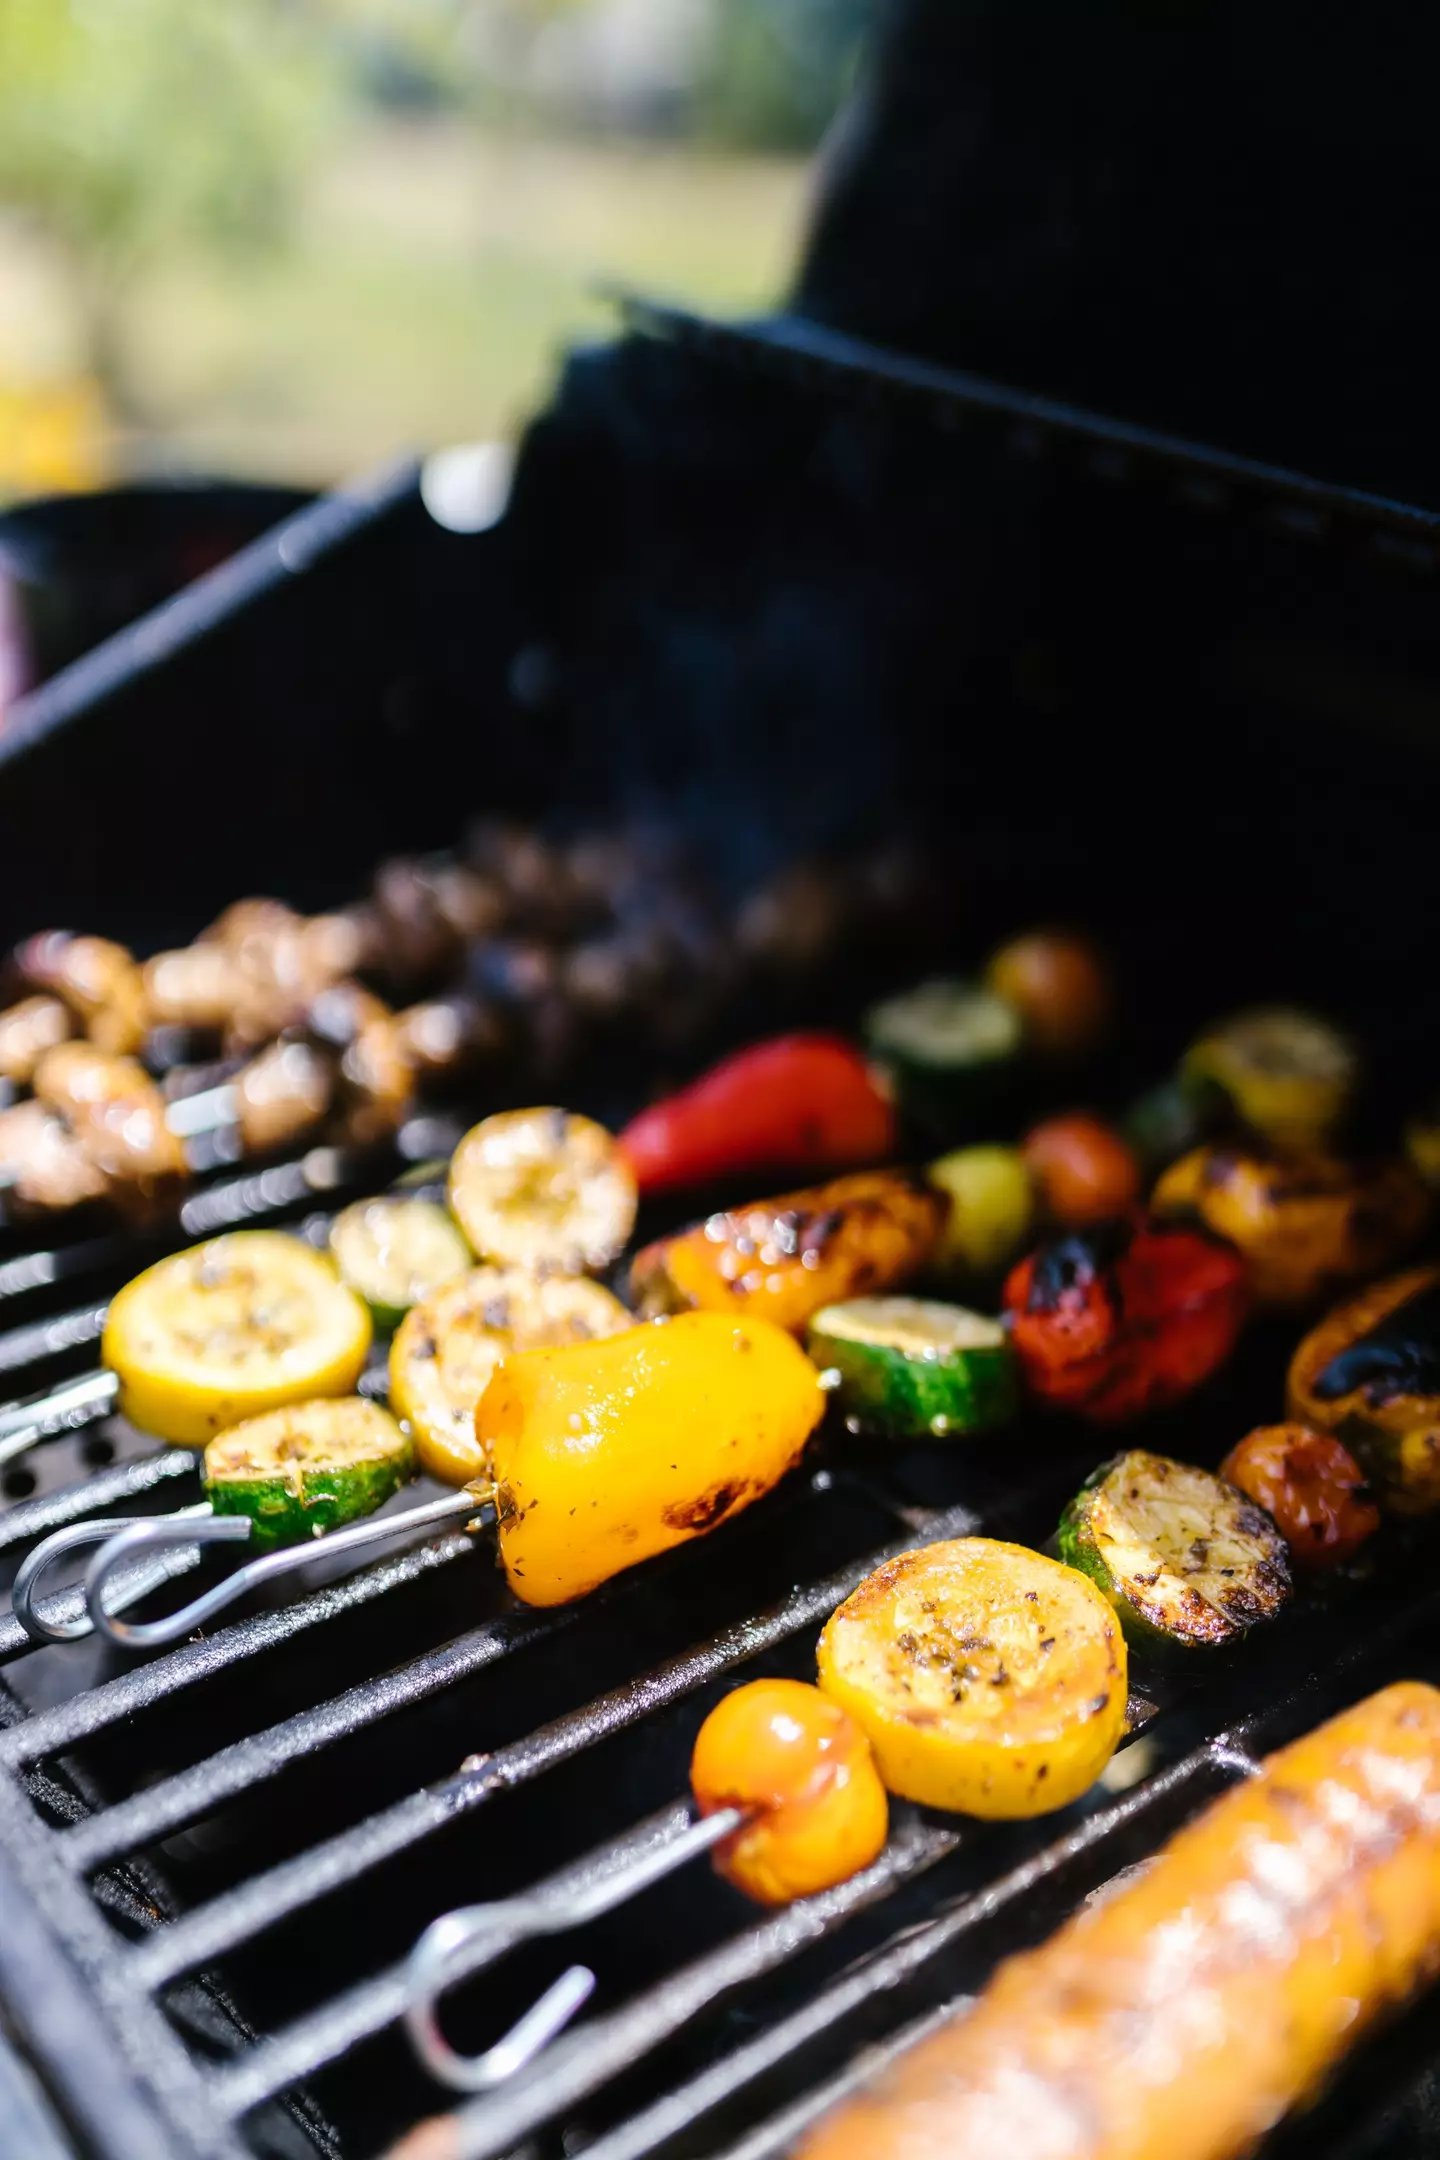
x: 395, y: 1252
x: 300, y: 1471
x: 544, y: 1190
x: 945, y: 1046
x: 447, y: 1348
x: 1188, y: 1562
x: 988, y: 1680
x: 914, y: 1367
x: 229, y: 1329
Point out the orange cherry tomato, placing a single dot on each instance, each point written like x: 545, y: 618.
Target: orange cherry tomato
x: 803, y: 1768
x: 1059, y: 985
x: 1084, y: 1171
x: 1311, y: 1485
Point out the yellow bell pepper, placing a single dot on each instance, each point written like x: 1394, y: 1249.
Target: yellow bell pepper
x: 607, y: 1452
x: 784, y: 1259
x: 1306, y: 1225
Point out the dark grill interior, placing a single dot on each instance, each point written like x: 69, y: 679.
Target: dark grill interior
x: 1183, y: 701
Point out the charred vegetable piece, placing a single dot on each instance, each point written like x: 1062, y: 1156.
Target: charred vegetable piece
x: 282, y: 1095
x: 802, y: 1770
x: 301, y: 1471
x: 543, y: 1189
x: 396, y: 1252
x: 1307, y: 1226
x: 947, y: 1047
x: 989, y: 1680
x: 198, y: 986
x: 1183, y: 2013
x: 1422, y: 1143
x: 449, y: 1036
x: 116, y: 1113
x: 377, y: 1083
x: 1370, y: 1374
x: 605, y: 1453
x: 230, y: 1329
x: 1289, y: 1076
x: 1311, y: 1485
x: 783, y: 1259
x: 1124, y: 1319
x: 97, y: 979
x: 448, y: 1347
x: 27, y: 1031
x: 802, y: 1101
x: 992, y: 1208
x: 915, y: 1368
x: 43, y: 1167
x: 1172, y: 1120
x: 1059, y: 985
x: 1187, y: 1561
x: 1083, y: 1171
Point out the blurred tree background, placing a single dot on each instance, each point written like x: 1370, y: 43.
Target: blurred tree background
x: 285, y: 237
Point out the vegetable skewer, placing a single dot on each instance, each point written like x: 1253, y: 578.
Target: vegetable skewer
x: 245, y: 1322
x: 789, y: 1804
x: 585, y: 1476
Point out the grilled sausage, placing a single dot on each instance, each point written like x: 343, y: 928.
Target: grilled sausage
x: 27, y: 1031
x: 1180, y: 2017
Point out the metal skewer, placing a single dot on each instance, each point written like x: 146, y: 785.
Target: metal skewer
x: 464, y: 1942
x: 64, y: 1409
x: 130, y: 1539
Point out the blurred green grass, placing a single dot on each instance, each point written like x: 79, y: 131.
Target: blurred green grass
x: 432, y: 277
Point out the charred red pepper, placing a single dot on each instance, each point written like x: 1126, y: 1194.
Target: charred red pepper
x: 801, y: 1101
x: 1124, y: 1318
x: 1311, y: 1485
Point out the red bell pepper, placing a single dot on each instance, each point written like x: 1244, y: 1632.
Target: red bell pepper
x: 1125, y: 1318
x: 799, y: 1102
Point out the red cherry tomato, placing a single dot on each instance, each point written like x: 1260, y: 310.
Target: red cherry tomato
x: 1060, y: 986
x: 1313, y: 1487
x: 1084, y: 1171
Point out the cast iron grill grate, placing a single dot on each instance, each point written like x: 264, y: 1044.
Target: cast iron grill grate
x: 224, y: 1852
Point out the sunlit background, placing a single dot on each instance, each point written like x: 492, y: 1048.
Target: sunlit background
x: 283, y: 238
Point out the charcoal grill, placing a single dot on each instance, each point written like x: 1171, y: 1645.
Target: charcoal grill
x: 786, y: 590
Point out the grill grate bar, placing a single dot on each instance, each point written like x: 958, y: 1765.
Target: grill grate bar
x: 363, y: 2011
x: 592, y: 2054
x: 33, y: 1344
x: 50, y: 1731
x: 779, y: 2133
x: 34, y: 1519
x: 253, y: 1906
x: 166, y: 1807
